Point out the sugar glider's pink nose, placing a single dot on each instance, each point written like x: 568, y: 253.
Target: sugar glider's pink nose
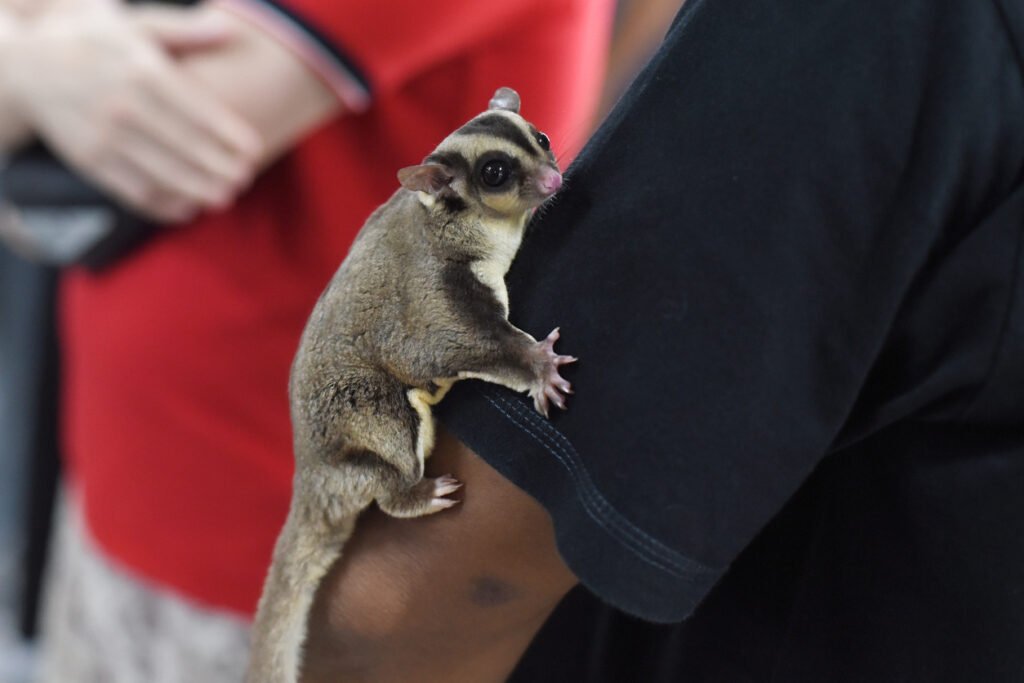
x: 550, y: 180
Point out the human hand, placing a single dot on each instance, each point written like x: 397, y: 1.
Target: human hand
x: 23, y: 8
x: 14, y: 130
x: 98, y: 84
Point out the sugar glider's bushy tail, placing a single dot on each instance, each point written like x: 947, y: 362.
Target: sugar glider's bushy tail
x: 302, y: 557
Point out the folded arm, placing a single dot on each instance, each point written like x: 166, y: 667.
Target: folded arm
x: 171, y: 110
x: 261, y: 78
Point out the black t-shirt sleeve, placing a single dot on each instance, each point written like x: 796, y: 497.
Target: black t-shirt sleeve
x: 731, y: 251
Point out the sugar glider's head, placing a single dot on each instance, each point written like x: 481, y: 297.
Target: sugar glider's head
x: 497, y: 165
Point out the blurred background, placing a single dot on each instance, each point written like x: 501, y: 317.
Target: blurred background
x: 53, y: 221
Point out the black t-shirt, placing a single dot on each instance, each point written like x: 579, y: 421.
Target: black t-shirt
x: 789, y: 264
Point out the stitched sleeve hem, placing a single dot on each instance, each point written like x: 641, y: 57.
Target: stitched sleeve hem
x: 327, y: 60
x: 611, y: 556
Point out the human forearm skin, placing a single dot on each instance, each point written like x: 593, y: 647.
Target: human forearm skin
x: 14, y: 131
x: 451, y: 597
x: 301, y: 101
x: 14, y: 127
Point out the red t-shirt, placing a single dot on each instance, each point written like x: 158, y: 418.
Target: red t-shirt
x: 176, y: 359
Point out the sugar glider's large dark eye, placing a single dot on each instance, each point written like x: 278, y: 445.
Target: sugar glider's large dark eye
x: 543, y: 141
x: 495, y: 173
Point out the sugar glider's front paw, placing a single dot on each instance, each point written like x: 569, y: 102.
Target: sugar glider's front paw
x: 550, y: 386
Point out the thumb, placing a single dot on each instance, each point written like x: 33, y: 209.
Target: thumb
x: 182, y: 29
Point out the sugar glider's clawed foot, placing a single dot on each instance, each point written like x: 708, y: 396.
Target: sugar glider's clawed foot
x: 443, y: 486
x: 552, y: 387
x: 425, y: 498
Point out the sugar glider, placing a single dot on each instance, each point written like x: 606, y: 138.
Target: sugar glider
x: 419, y: 303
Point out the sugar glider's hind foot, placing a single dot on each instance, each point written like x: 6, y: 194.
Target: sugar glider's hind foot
x: 551, y: 387
x: 424, y: 498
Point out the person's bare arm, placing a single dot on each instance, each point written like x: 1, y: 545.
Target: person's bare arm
x: 13, y: 129
x: 264, y: 82
x: 105, y: 94
x: 451, y: 597
x: 639, y: 32
x: 171, y: 110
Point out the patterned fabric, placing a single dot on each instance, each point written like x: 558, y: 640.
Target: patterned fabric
x: 103, y: 625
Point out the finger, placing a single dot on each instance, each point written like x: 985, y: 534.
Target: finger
x: 183, y: 98
x: 172, y: 212
x: 127, y: 187
x: 171, y: 176
x: 182, y: 29
x: 195, y: 147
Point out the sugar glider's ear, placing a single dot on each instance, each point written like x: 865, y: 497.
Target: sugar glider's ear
x: 431, y: 178
x: 506, y: 99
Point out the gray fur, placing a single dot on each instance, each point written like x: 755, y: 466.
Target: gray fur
x: 418, y: 304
